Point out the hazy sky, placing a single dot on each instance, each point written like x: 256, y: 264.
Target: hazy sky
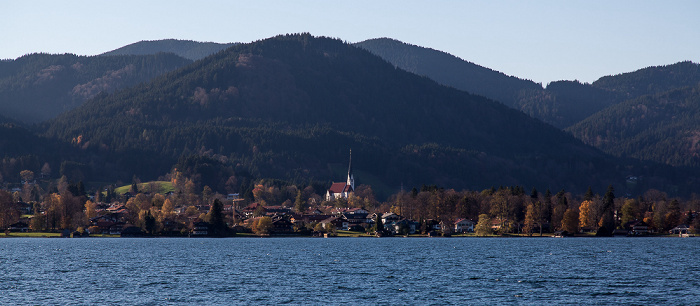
x: 539, y: 40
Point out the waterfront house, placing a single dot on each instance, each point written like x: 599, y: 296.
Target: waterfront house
x: 464, y: 226
x: 200, y: 228
x: 639, y: 228
x: 336, y: 222
x: 681, y: 229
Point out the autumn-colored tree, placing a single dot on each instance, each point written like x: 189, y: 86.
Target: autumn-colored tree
x: 533, y: 217
x: 262, y: 226
x: 8, y: 210
x: 27, y: 176
x: 483, y: 227
x: 587, y: 214
x: 90, y: 209
x: 570, y: 222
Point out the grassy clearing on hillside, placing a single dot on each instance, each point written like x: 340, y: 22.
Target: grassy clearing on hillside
x: 159, y: 186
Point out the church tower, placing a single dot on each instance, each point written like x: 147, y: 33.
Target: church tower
x: 351, y: 179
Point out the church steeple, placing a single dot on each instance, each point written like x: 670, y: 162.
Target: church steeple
x: 351, y: 180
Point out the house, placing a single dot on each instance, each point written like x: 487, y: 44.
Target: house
x: 679, y: 230
x: 116, y: 228
x: 200, y: 228
x: 282, y: 226
x: 639, y: 228
x: 336, y: 222
x: 356, y: 222
x: 24, y: 208
x: 342, y: 189
x: 19, y: 227
x: 390, y: 217
x: 404, y: 226
x: 464, y: 226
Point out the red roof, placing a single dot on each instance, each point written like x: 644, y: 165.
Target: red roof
x: 340, y: 187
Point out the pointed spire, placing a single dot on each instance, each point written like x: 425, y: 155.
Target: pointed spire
x: 350, y: 164
x: 351, y: 179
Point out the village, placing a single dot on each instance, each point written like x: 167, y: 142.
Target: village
x: 145, y: 210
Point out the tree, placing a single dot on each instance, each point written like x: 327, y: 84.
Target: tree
x: 629, y: 211
x: 8, y: 210
x: 673, y: 216
x: 27, y: 176
x: 530, y: 219
x: 587, y: 215
x: 262, y: 226
x: 90, y: 209
x: 483, y: 227
x: 378, y: 224
x: 607, y: 220
x: 216, y: 218
x: 589, y: 194
x: 570, y: 222
x: 299, y: 204
x: 149, y: 222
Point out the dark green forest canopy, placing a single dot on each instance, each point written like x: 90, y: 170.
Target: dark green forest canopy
x: 663, y: 128
x: 38, y: 87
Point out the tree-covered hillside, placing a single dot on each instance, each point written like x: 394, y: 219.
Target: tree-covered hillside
x: 450, y: 70
x: 292, y: 106
x: 562, y: 103
x: 188, y: 49
x: 664, y: 128
x: 37, y: 87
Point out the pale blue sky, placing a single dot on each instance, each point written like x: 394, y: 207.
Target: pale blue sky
x: 539, y: 40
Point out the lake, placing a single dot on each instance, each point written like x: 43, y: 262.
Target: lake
x: 161, y: 271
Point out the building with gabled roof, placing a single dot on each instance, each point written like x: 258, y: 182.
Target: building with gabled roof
x: 342, y: 189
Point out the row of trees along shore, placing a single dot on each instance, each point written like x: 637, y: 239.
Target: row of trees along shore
x: 64, y: 205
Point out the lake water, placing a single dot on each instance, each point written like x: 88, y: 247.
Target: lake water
x: 158, y: 271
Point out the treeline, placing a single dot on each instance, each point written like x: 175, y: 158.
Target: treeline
x: 64, y: 205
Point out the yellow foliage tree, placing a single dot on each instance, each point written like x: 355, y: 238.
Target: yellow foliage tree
x: 586, y: 214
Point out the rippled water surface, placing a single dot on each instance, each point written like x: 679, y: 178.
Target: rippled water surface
x: 155, y: 271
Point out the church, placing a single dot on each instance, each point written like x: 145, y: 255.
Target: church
x: 342, y: 189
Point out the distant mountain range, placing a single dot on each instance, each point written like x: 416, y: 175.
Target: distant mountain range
x: 562, y: 103
x: 192, y: 50
x: 291, y: 107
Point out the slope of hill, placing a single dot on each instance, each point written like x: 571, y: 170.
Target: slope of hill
x: 651, y: 80
x: 562, y: 103
x: 450, y: 70
x: 37, y: 87
x: 188, y: 49
x: 663, y: 128
x: 292, y: 106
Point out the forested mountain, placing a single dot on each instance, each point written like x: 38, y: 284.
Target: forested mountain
x: 37, y: 87
x: 450, y: 70
x: 188, y: 49
x: 663, y: 128
x: 22, y: 149
x: 562, y: 103
x: 651, y: 80
x: 292, y: 107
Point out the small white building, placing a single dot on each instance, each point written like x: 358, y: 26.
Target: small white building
x: 464, y: 226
